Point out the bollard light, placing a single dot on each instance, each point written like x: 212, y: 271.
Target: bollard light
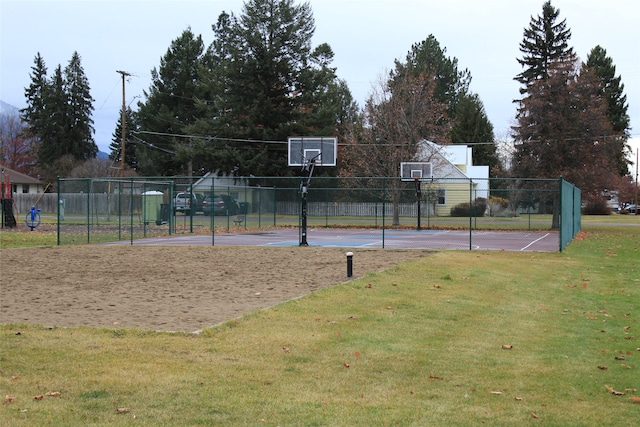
x: 349, y: 264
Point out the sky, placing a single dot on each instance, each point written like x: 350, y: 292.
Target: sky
x: 365, y: 35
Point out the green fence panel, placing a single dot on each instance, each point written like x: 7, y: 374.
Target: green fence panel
x: 110, y: 209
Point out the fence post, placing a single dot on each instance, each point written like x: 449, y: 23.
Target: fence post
x: 88, y: 210
x: 470, y: 213
x: 131, y: 210
x: 560, y: 213
x: 58, y: 238
x: 384, y: 207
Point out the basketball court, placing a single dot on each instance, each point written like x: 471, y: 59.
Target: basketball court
x: 308, y: 153
x: 535, y: 241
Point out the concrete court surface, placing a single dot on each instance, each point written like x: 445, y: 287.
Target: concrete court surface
x: 531, y: 241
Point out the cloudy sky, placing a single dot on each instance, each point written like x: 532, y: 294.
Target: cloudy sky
x: 366, y: 36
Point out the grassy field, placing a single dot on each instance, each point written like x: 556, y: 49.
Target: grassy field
x: 456, y: 338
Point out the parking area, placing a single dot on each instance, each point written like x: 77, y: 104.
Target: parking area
x: 542, y: 241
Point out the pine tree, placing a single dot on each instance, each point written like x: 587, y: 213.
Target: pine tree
x: 467, y: 120
x: 131, y: 158
x: 430, y: 58
x: 563, y: 130
x: 471, y: 125
x: 79, y: 110
x: 54, y: 131
x: 267, y: 83
x: 58, y: 115
x: 545, y: 41
x: 36, y: 94
x: 170, y: 108
x: 613, y: 90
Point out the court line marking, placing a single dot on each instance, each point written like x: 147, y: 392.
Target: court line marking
x: 535, y: 241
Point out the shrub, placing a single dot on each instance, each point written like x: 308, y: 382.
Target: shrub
x: 596, y: 206
x: 478, y: 208
x: 497, y: 205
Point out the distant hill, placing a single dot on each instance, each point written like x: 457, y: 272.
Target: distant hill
x: 7, y: 108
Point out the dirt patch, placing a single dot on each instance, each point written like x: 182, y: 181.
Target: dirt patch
x: 168, y: 288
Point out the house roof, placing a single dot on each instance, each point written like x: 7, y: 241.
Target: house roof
x: 17, y: 177
x: 443, y: 168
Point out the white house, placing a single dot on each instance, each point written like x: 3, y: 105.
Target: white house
x: 452, y: 171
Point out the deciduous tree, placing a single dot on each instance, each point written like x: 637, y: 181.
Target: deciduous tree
x: 467, y: 119
x: 16, y: 150
x: 397, y: 116
x: 562, y: 124
x: 563, y: 131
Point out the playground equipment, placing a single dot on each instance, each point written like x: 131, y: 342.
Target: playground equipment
x: 32, y: 219
x: 6, y: 207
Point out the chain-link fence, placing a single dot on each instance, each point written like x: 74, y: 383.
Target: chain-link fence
x: 95, y: 210
x: 98, y: 210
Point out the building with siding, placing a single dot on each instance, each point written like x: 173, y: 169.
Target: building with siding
x: 455, y: 179
x: 20, y: 183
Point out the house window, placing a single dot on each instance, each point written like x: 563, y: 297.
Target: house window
x: 25, y: 188
x: 441, y: 196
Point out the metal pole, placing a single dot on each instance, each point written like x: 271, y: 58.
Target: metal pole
x: 58, y: 238
x: 303, y: 216
x: 419, y: 197
x: 636, y: 197
x: 470, y: 214
x: 304, y: 188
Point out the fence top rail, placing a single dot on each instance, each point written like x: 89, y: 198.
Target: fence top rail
x: 170, y: 179
x: 145, y: 180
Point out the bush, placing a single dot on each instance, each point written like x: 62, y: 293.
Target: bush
x: 497, y: 206
x: 596, y: 206
x: 478, y: 208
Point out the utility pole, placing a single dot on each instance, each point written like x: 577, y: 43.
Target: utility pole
x: 124, y: 123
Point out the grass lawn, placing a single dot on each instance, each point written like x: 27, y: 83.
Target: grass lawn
x: 456, y: 338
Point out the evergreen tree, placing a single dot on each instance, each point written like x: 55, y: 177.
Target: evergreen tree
x: 397, y: 116
x: 429, y: 58
x: 563, y: 130
x: 266, y: 82
x: 36, y: 96
x: 617, y: 106
x: 467, y: 120
x: 545, y: 41
x: 52, y: 145
x: 131, y: 158
x: 170, y: 108
x: 79, y: 134
x: 472, y: 125
x: 58, y: 115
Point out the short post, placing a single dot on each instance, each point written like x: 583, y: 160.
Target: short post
x: 349, y: 264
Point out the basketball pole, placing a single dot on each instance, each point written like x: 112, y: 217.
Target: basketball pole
x: 304, y: 189
x: 419, y: 197
x: 636, y: 195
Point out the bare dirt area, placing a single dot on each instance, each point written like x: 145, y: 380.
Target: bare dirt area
x: 183, y: 288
